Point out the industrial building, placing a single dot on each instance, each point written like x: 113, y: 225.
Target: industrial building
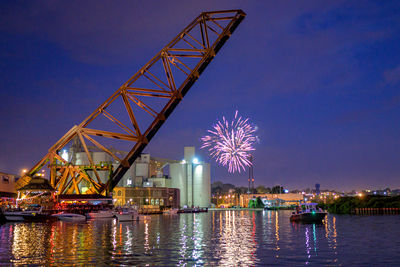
x: 190, y: 176
x: 150, y: 197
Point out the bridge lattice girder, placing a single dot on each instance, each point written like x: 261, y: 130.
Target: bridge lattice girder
x: 166, y: 79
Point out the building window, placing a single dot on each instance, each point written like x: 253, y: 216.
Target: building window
x: 5, y: 180
x: 157, y: 201
x: 129, y: 182
x: 161, y: 202
x: 152, y: 201
x: 119, y: 193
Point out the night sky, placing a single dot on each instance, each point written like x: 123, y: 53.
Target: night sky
x: 320, y: 79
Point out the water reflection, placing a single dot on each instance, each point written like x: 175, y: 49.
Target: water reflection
x: 308, y: 248
x: 331, y: 235
x: 222, y: 238
x: 146, y: 237
x: 310, y: 230
x: 237, y: 242
x: 183, y: 240
x: 28, y: 243
x: 277, y: 233
x: 198, y: 245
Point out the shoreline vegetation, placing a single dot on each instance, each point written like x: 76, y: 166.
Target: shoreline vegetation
x: 368, y: 204
x: 350, y: 205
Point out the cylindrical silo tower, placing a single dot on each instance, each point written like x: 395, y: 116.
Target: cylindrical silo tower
x: 201, y: 185
x: 102, y: 157
x: 81, y: 159
x: 179, y: 180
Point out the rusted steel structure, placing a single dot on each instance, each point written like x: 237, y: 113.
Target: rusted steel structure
x: 148, y: 98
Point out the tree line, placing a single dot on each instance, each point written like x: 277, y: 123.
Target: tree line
x: 220, y: 188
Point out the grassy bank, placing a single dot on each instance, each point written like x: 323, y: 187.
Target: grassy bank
x: 347, y: 205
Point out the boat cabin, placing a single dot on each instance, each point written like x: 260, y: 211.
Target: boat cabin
x: 307, y: 208
x: 310, y: 207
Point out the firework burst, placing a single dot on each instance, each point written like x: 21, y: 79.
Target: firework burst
x: 230, y: 143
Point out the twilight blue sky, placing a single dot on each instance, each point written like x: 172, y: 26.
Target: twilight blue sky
x: 320, y: 79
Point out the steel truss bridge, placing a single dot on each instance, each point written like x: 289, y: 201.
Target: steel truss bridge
x: 147, y: 99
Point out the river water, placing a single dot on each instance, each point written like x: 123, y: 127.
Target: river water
x: 223, y: 238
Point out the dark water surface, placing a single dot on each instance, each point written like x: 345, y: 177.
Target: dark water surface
x: 225, y: 238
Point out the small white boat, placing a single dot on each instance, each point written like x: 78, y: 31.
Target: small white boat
x: 101, y: 214
x: 127, y: 215
x: 69, y: 217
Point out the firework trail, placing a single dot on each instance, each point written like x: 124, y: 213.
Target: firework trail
x: 231, y: 143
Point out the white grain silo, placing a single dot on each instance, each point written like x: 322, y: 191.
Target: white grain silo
x: 177, y: 172
x: 201, y: 185
x: 192, y: 178
x: 81, y: 159
x: 102, y: 158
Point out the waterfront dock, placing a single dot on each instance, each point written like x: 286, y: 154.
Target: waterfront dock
x: 376, y: 211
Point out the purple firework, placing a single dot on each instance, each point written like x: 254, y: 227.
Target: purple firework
x: 230, y: 143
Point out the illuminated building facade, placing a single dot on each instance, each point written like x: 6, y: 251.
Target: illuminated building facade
x: 286, y: 199
x: 157, y: 197
x: 192, y: 177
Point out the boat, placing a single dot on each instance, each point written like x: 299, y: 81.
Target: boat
x: 14, y: 216
x: 101, y: 214
x: 127, y: 214
x: 192, y: 210
x: 69, y: 217
x: 170, y: 211
x: 33, y: 213
x: 308, y: 213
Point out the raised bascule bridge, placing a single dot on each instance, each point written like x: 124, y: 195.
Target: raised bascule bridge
x: 135, y: 112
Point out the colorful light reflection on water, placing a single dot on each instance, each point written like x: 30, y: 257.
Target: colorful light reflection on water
x: 224, y: 238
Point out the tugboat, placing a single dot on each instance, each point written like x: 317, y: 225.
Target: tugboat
x: 308, y: 214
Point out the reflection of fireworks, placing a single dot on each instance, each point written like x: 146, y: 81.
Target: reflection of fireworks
x: 231, y: 143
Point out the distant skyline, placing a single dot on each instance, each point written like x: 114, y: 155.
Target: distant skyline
x: 320, y: 79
